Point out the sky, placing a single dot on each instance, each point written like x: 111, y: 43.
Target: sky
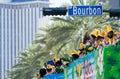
x: 55, y: 3
x: 4, y: 0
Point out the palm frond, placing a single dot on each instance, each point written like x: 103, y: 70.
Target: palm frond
x: 63, y: 20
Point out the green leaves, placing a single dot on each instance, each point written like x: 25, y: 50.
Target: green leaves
x: 59, y: 39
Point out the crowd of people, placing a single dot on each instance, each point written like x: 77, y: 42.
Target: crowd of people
x: 91, y: 41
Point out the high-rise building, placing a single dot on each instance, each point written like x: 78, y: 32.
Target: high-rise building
x: 18, y: 25
x: 21, y: 0
x: 26, y: 0
x: 114, y: 4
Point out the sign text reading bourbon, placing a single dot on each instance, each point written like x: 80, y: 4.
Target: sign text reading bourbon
x: 85, y: 11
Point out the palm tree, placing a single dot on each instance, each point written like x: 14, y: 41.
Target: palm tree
x: 72, y: 29
x: 28, y: 65
x: 68, y: 31
x: 58, y: 40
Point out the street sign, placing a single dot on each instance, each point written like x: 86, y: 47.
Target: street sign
x: 85, y: 10
x: 54, y: 11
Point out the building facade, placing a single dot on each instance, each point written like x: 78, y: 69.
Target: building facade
x: 18, y: 25
x: 26, y: 0
x: 114, y: 4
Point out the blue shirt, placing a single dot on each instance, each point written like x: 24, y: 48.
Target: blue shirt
x: 54, y: 76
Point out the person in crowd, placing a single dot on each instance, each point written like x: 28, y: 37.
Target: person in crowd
x: 88, y: 42
x: 66, y: 61
x: 82, y: 48
x: 50, y: 67
x: 103, y: 41
x: 58, y: 65
x: 42, y: 72
x: 94, y: 40
x: 75, y: 55
x: 110, y: 34
x: 94, y: 35
x: 117, y: 38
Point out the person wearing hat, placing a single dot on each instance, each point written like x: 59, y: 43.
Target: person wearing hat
x: 87, y: 41
x: 94, y: 34
x: 94, y: 37
x: 50, y: 67
x: 110, y: 34
x: 101, y: 35
x: 102, y: 38
x: 58, y: 65
x: 49, y: 62
x: 82, y: 48
x: 75, y: 55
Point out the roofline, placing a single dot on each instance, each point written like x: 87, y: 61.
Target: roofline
x: 30, y: 2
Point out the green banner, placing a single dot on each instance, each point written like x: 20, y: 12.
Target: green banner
x: 112, y: 62
x: 99, y: 64
x: 82, y: 68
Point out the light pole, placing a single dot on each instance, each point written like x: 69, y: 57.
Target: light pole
x: 113, y: 12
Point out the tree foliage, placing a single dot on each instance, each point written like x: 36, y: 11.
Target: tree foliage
x: 58, y: 40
